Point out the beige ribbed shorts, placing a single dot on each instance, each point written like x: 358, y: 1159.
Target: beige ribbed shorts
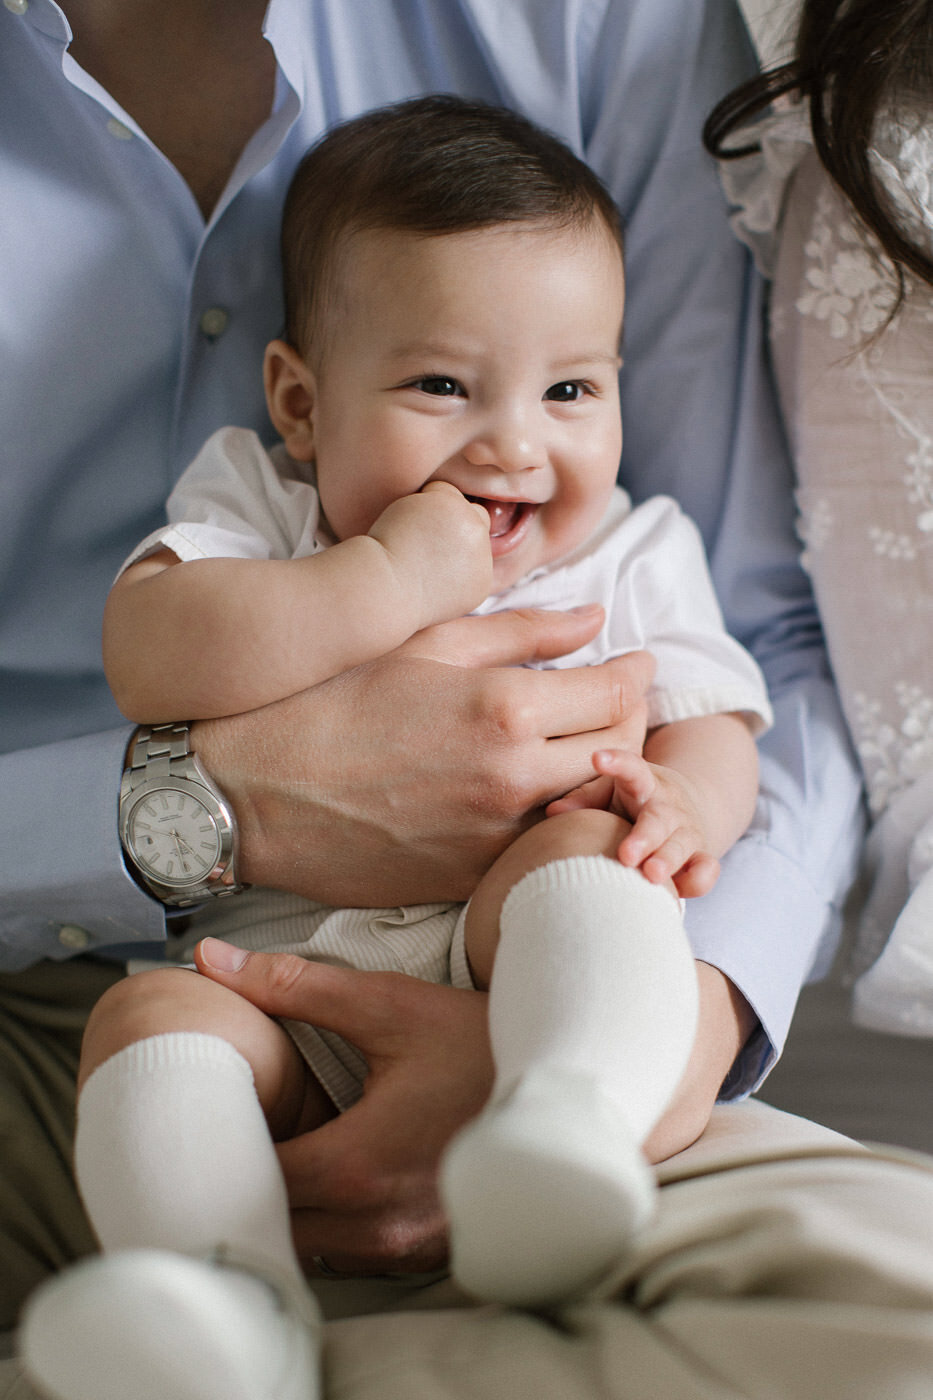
x: 422, y: 940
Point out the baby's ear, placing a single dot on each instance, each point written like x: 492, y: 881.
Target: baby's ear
x: 290, y: 392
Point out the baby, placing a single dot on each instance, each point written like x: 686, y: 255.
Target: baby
x: 447, y: 403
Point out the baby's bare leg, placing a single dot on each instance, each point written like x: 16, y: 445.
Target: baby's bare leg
x: 178, y: 1000
x: 592, y: 1010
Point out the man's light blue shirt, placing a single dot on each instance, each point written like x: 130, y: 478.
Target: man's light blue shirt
x: 131, y: 330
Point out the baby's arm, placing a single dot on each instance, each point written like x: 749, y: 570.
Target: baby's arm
x: 213, y: 637
x: 690, y: 797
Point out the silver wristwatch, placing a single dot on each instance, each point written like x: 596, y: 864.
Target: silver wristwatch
x: 177, y: 829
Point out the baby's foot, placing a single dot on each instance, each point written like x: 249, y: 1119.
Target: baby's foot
x: 148, y: 1325
x: 544, y: 1192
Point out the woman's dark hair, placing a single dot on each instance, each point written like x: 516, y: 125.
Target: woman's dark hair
x: 432, y: 165
x: 853, y: 59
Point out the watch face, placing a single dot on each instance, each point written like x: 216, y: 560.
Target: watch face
x: 173, y: 837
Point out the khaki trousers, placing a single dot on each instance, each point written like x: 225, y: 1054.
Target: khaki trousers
x: 42, y: 1225
x: 784, y: 1263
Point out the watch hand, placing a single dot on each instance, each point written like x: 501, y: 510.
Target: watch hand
x: 181, y: 848
x: 181, y: 845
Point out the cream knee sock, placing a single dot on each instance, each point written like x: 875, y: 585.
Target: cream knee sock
x: 592, y: 1013
x: 172, y: 1152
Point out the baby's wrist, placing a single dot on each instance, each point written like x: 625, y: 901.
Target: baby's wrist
x: 395, y: 580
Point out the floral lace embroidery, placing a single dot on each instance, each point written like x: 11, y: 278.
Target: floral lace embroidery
x: 815, y: 525
x: 857, y: 387
x: 866, y: 535
x: 850, y: 286
x: 903, y: 160
x: 893, y: 754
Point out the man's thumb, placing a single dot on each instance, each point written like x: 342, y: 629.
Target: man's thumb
x: 282, y: 984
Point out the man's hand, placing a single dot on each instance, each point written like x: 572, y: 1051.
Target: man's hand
x: 401, y: 780
x: 363, y: 1188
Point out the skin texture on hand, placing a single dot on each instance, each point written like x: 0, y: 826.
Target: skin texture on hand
x: 401, y: 780
x: 363, y: 1188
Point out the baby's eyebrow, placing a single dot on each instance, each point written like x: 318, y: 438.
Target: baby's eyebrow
x: 447, y: 351
x: 429, y: 350
x: 587, y: 357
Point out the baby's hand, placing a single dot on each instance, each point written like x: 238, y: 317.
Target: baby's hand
x: 667, y: 837
x: 439, y: 542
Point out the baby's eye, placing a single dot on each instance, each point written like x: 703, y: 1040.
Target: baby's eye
x: 439, y: 385
x: 569, y: 391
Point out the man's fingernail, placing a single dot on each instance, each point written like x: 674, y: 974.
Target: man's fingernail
x: 224, y: 957
x: 586, y: 608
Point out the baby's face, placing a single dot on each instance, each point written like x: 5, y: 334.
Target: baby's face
x: 486, y: 359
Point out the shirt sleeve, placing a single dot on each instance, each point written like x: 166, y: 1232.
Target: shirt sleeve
x: 75, y: 897
x: 665, y: 595
x: 238, y: 501
x: 79, y: 897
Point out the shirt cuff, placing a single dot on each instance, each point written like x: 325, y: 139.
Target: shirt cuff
x: 65, y: 889
x: 792, y: 941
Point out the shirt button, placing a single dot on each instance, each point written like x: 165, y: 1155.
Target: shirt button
x: 17, y: 7
x: 117, y: 128
x: 213, y: 322
x: 74, y: 937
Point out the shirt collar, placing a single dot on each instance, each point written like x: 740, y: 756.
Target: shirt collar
x: 280, y: 26
x: 281, y: 29
x: 49, y: 19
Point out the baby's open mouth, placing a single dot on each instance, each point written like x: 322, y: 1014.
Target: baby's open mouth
x: 508, y: 522
x: 503, y: 515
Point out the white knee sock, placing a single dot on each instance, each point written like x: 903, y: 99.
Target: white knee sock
x: 173, y: 1152
x: 592, y: 1012
x: 594, y: 973
x: 201, y: 1297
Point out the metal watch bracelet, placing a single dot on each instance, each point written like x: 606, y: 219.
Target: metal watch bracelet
x: 158, y: 751
x: 160, y: 755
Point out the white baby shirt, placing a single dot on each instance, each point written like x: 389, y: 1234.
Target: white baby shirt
x: 644, y: 564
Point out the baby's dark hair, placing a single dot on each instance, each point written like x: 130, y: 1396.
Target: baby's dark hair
x: 432, y: 165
